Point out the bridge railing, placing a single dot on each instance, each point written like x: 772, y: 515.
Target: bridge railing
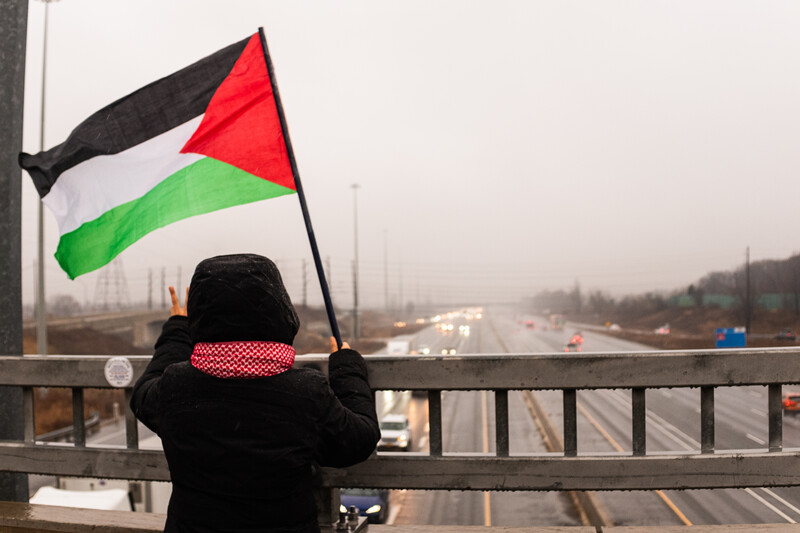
x: 571, y: 469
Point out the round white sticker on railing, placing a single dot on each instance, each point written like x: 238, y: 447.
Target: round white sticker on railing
x: 119, y: 371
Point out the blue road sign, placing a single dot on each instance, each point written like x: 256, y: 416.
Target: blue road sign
x: 731, y: 337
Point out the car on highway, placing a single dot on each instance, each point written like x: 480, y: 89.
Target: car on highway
x: 662, y: 330
x: 572, y: 347
x: 791, y: 403
x: 449, y: 350
x: 372, y: 503
x: 786, y: 335
x: 395, y: 433
x: 424, y: 349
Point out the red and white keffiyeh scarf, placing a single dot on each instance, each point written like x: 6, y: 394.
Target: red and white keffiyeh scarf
x: 246, y: 359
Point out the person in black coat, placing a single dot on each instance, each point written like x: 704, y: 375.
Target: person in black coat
x: 243, y: 432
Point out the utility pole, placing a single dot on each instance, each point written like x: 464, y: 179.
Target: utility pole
x: 355, y: 188
x: 163, y: 288
x: 355, y: 301
x: 386, y: 269
x: 400, y: 288
x: 149, y: 289
x: 748, y: 302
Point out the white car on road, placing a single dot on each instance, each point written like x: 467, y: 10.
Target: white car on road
x: 395, y: 433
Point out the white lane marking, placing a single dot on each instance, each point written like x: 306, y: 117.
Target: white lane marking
x: 784, y: 502
x: 423, y: 441
x: 660, y: 424
x: 393, y: 512
x: 666, y: 393
x: 667, y: 432
x: 759, y: 412
x: 755, y: 439
x: 770, y: 506
x: 754, y: 393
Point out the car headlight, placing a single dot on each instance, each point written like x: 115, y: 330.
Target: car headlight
x: 402, y: 438
x: 374, y: 509
x: 342, y: 509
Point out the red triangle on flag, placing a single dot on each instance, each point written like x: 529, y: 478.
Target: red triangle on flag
x: 241, y: 125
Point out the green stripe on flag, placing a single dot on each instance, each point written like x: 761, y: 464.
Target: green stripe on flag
x: 202, y: 187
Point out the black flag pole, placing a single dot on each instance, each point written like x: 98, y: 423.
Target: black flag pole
x: 300, y: 195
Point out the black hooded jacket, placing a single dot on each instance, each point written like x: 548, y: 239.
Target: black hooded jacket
x: 243, y: 453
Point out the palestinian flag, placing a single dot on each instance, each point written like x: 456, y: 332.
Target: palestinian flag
x: 205, y: 138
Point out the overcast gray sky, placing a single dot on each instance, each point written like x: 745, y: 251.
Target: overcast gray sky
x: 502, y: 147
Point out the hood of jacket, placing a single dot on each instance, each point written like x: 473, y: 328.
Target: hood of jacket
x: 240, y: 297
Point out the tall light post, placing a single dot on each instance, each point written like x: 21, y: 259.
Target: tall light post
x: 355, y: 188
x: 41, y: 308
x: 386, y: 269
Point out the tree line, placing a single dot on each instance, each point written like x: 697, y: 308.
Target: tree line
x: 770, y: 283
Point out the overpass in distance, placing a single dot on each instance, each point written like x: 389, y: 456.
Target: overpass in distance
x: 139, y: 327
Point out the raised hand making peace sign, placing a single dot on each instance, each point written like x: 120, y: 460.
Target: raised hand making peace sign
x: 177, y: 308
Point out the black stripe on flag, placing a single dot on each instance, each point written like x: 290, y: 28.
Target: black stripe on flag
x: 133, y: 119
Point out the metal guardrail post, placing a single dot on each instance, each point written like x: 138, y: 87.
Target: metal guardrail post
x: 78, y: 424
x: 435, y: 422
x: 131, y: 424
x: 707, y: 430
x: 570, y: 422
x: 28, y: 415
x: 775, y: 414
x: 328, y: 501
x: 501, y: 422
x: 639, y: 421
x: 13, y: 37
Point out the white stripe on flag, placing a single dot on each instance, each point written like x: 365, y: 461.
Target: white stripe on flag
x: 89, y: 189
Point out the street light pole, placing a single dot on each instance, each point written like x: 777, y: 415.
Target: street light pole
x: 386, y: 270
x: 41, y: 308
x: 355, y: 188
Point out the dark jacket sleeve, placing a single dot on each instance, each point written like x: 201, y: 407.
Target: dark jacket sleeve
x: 349, y: 423
x: 173, y: 346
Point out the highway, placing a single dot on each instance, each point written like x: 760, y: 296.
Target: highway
x: 468, y: 426
x: 604, y: 425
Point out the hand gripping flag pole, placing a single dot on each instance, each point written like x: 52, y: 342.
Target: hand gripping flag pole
x: 300, y: 194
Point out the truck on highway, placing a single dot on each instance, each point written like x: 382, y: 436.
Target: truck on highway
x: 557, y: 322
x: 399, y: 347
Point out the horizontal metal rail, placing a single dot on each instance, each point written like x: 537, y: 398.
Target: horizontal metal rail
x: 568, y: 469
x: 627, y: 370
x: 394, y: 470
x: 68, y: 432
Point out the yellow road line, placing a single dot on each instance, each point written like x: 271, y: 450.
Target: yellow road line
x: 616, y: 446
x: 599, y: 428
x: 487, y: 506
